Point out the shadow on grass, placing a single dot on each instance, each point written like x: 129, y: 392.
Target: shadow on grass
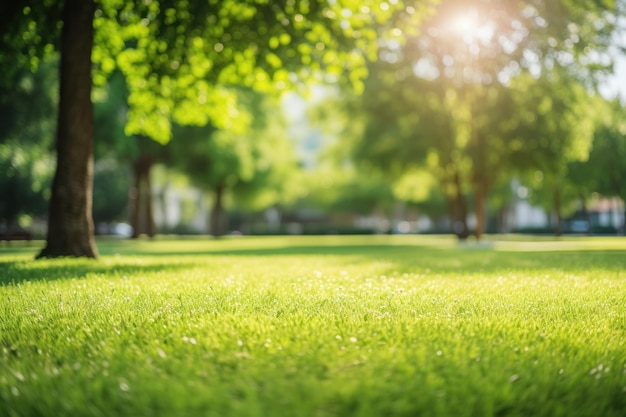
x: 415, y: 258
x: 145, y: 257
x: 305, y: 250
x: 446, y: 258
x: 18, y: 272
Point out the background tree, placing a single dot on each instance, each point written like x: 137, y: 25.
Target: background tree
x: 350, y: 190
x: 172, y: 54
x: 447, y: 96
x: 554, y: 128
x: 479, y: 47
x: 609, y: 152
x: 135, y: 156
x: 250, y: 162
x: 114, y: 151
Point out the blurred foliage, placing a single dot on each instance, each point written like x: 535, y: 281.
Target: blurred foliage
x: 487, y: 91
x: 27, y: 125
x: 176, y: 54
x: 176, y: 57
x: 110, y: 111
x: 29, y: 35
x: 608, y: 154
x: 112, y: 182
x: 348, y: 190
x: 252, y: 165
x: 454, y: 103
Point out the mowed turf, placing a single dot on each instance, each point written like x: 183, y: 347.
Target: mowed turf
x: 317, y: 326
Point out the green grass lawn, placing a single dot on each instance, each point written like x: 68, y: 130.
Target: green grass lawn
x: 316, y: 326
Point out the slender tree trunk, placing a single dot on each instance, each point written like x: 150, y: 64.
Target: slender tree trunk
x: 70, y: 223
x: 142, y: 219
x: 557, y: 211
x: 217, y: 213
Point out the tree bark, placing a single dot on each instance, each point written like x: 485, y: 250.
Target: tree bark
x: 70, y: 223
x: 142, y: 219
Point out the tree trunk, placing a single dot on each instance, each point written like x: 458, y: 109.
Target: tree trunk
x: 557, y: 211
x: 217, y: 213
x: 142, y: 219
x: 70, y: 223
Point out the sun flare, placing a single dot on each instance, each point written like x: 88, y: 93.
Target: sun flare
x: 471, y: 28
x: 465, y: 24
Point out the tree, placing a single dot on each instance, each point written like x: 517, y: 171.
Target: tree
x: 446, y: 96
x: 70, y: 223
x: 480, y: 46
x: 251, y: 161
x: 609, y: 152
x: 136, y: 153
x: 172, y: 53
x: 554, y: 128
x: 113, y: 152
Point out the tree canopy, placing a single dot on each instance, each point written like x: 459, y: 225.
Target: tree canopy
x: 174, y: 55
x: 487, y: 89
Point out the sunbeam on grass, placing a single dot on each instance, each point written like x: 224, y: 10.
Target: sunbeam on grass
x: 317, y: 326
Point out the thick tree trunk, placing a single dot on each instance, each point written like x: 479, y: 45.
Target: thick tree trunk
x: 142, y: 219
x: 217, y: 214
x: 70, y: 223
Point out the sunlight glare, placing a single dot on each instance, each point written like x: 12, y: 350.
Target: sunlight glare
x: 464, y: 24
x: 471, y: 28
